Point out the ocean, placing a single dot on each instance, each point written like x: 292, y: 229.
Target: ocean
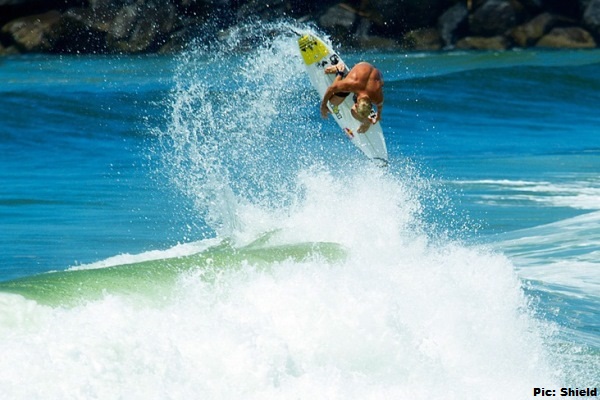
x: 187, y: 226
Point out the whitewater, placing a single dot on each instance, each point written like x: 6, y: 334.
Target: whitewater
x: 396, y: 316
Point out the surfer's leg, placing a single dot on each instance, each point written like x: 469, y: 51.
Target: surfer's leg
x: 338, y: 98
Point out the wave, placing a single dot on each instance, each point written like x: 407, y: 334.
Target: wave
x: 516, y: 64
x: 155, y: 278
x: 558, y: 262
x: 350, y: 296
x: 580, y: 194
x: 563, y: 253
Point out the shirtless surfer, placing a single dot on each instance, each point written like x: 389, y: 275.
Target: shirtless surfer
x: 366, y: 82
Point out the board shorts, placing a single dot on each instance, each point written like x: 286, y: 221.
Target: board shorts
x: 346, y: 94
x: 343, y: 74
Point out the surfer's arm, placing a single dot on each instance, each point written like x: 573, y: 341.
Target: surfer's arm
x: 379, y: 108
x: 339, y: 85
x: 327, y: 96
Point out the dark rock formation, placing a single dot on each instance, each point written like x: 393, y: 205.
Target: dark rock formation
x: 482, y: 43
x: 141, y: 27
x: 570, y: 8
x: 573, y: 37
x: 453, y: 22
x: 82, y: 30
x: 495, y: 17
x: 399, y: 17
x: 529, y: 33
x: 591, y: 17
x: 33, y: 33
x: 428, y: 39
x: 148, y: 26
x: 338, y: 17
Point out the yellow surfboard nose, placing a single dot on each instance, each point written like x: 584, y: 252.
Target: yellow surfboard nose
x: 312, y: 49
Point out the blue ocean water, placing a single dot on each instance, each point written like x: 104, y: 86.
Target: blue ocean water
x: 213, y: 237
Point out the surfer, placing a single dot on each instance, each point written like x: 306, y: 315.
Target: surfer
x: 366, y: 82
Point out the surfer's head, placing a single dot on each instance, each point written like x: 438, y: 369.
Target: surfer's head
x: 363, y: 107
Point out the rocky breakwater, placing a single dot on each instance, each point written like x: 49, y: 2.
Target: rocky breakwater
x: 150, y: 26
x: 97, y: 26
x: 503, y: 24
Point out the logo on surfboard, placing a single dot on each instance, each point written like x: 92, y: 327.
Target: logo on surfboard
x: 336, y: 111
x: 312, y: 49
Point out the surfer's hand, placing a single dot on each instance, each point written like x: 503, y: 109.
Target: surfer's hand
x: 324, y: 111
x: 363, y: 127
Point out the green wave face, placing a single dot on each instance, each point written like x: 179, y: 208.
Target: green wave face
x: 155, y: 279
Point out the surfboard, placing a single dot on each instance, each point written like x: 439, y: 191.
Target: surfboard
x: 317, y: 56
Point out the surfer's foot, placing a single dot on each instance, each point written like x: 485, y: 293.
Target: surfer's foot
x: 334, y: 69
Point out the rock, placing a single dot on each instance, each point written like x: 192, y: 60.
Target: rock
x: 81, y: 30
x: 124, y: 22
x: 340, y: 22
x: 192, y: 28
x: 591, y: 17
x: 570, y: 8
x: 494, y: 17
x: 14, y: 9
x: 573, y: 37
x: 7, y: 51
x: 266, y: 10
x: 33, y: 33
x: 529, y: 33
x: 355, y: 27
x: 452, y: 22
x: 389, y: 16
x: 92, y: 19
x: 399, y: 17
x: 338, y: 17
x: 133, y: 28
x: 533, y: 5
x: 104, y: 5
x: 483, y: 43
x: 377, y: 43
x: 426, y: 39
x: 142, y: 27
x: 16, y: 2
x: 176, y: 43
x: 146, y: 26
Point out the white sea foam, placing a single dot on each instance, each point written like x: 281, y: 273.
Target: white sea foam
x: 564, y: 253
x: 402, y: 317
x: 582, y: 195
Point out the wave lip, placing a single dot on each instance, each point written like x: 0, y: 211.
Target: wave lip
x: 155, y: 278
